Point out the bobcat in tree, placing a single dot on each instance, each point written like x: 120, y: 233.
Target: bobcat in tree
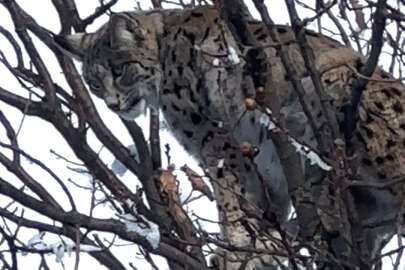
x: 187, y: 64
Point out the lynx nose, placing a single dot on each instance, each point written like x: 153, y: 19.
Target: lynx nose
x: 114, y: 106
x: 112, y: 103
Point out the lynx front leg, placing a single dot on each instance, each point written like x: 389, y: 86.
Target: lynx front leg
x: 244, y: 227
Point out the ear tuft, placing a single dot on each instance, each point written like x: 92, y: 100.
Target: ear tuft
x: 74, y: 46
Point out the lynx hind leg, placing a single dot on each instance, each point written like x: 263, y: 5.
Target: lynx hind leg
x: 380, y: 134
x: 275, y: 200
x: 376, y: 140
x: 269, y: 166
x: 230, y: 193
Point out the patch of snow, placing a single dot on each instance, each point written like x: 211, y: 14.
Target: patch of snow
x: 271, y: 126
x: 118, y: 168
x: 59, y: 250
x: 132, y: 149
x: 310, y: 154
x: 69, y: 245
x: 37, y: 242
x: 215, y: 62
x: 220, y: 163
x: 89, y: 248
x: 130, y: 204
x: 233, y: 56
x: 266, y: 121
x: 149, y: 231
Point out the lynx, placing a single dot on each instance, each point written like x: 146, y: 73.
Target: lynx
x: 187, y: 64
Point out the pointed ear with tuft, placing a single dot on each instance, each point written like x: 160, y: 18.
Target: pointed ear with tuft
x: 75, y: 45
x: 119, y: 31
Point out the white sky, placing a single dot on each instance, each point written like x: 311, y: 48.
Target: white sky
x: 38, y: 138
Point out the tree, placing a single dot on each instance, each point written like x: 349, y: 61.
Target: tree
x: 330, y: 228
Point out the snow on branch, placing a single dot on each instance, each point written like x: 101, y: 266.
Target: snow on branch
x: 233, y: 56
x: 118, y: 168
x: 309, y: 154
x: 315, y: 159
x: 143, y: 227
x: 59, y: 248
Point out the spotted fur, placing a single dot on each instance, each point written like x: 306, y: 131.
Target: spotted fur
x: 180, y: 62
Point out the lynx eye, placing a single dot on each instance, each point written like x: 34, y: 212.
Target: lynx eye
x: 95, y: 86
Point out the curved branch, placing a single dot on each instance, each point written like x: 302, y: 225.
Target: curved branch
x: 290, y: 71
x: 30, y: 223
x: 99, y: 11
x: 309, y: 60
x: 106, y: 225
x: 104, y: 257
x: 143, y: 170
x: 11, y: 136
x: 351, y: 110
x: 14, y: 43
x: 19, y: 172
x: 24, y: 105
x: 20, y: 24
x: 45, y: 168
x: 10, y: 241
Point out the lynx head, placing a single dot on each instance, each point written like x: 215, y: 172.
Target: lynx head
x: 120, y: 63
